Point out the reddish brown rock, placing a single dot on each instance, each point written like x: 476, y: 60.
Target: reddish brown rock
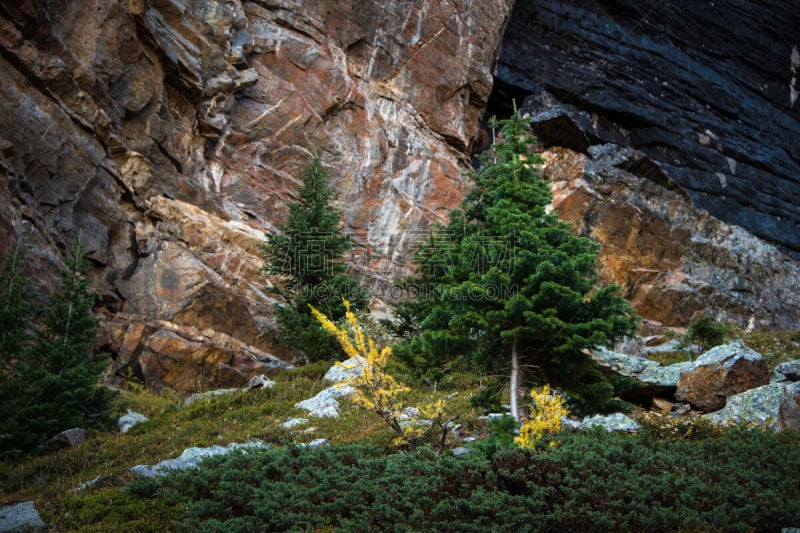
x: 166, y: 355
x: 719, y: 373
x: 672, y: 260
x: 172, y: 135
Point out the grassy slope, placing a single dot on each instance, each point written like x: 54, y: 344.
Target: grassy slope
x: 51, y: 479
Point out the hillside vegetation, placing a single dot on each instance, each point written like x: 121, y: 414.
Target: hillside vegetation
x: 677, y: 477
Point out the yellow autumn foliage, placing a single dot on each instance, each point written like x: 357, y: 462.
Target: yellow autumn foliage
x: 547, y: 409
x: 375, y: 388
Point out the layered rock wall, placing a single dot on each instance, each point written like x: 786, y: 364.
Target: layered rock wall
x: 708, y: 90
x: 672, y: 260
x: 171, y: 134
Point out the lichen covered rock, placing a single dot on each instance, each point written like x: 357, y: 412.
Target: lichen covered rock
x: 720, y: 373
x: 755, y: 407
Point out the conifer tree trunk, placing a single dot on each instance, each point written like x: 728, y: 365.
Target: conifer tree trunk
x: 515, y: 380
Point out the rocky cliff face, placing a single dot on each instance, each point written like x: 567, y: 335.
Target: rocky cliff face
x: 171, y: 134
x: 708, y: 91
x: 676, y: 124
x: 673, y: 260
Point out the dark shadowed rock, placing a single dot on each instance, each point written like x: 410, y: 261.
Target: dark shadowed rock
x: 69, y: 438
x: 697, y: 87
x: 787, y: 371
x: 789, y: 409
x: 653, y: 379
x: 20, y: 517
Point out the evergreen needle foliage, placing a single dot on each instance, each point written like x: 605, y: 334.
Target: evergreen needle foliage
x: 16, y: 311
x: 307, y: 255
x: 507, y: 285
x: 741, y: 481
x: 706, y: 332
x: 52, y: 384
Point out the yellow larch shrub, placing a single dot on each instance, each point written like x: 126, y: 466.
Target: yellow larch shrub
x: 547, y: 408
x: 375, y: 388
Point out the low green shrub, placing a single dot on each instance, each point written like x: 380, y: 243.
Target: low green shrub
x: 502, y: 431
x: 706, y: 332
x: 775, y: 346
x: 597, y: 481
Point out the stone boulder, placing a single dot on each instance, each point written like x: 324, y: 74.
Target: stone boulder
x: 345, y: 371
x: 324, y: 404
x: 294, y: 422
x: 190, y: 458
x: 259, y: 382
x: 130, y: 419
x: 789, y: 409
x: 653, y: 378
x: 69, y: 438
x: 196, y: 397
x: 719, y: 373
x: 316, y: 443
x: 256, y: 382
x: 787, y: 371
x: 757, y: 407
x: 20, y: 517
x: 613, y: 422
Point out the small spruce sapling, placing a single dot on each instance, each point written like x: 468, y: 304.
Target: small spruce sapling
x: 509, y: 286
x: 57, y: 375
x: 16, y: 312
x: 307, y: 255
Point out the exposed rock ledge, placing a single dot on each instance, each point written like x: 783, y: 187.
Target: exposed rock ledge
x: 672, y: 259
x: 183, y: 358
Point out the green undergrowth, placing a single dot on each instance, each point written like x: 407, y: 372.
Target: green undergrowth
x: 670, y: 357
x: 103, y: 461
x: 724, y: 480
x: 776, y: 346
x: 738, y: 481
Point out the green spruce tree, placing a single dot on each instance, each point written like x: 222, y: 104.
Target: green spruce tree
x: 307, y: 255
x: 16, y: 312
x: 55, y: 379
x: 507, y: 284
